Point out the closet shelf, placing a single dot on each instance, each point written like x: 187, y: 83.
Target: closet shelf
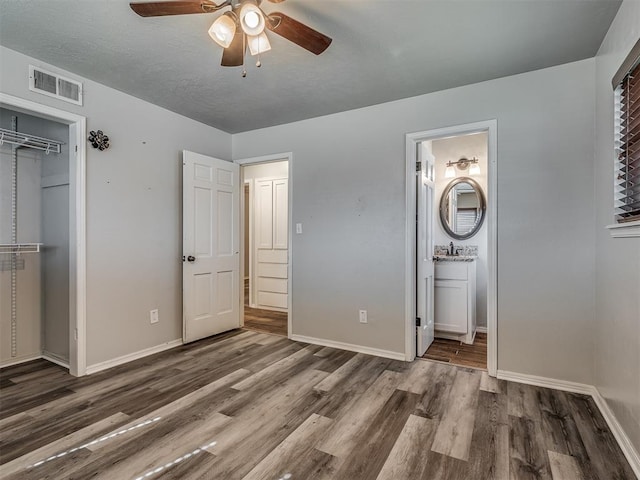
x: 19, y: 248
x: 30, y: 141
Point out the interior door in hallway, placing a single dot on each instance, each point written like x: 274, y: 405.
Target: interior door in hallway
x: 211, y: 261
x: 424, y: 250
x: 272, y: 243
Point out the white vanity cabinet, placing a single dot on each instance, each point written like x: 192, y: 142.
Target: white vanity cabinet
x: 455, y: 300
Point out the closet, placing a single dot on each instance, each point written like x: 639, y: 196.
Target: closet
x: 34, y: 239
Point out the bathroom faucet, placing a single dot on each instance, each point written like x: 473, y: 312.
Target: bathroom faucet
x: 450, y: 252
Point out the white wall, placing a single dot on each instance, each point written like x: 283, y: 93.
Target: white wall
x: 349, y: 192
x: 453, y: 149
x: 617, y: 353
x: 55, y: 194
x: 133, y: 210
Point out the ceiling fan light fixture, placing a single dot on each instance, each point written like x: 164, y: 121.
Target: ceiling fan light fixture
x: 223, y: 30
x: 258, y: 44
x: 251, y: 18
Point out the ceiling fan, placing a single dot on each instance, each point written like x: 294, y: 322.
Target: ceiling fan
x: 243, y: 25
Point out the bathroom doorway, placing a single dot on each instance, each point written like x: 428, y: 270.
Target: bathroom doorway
x: 454, y: 243
x: 266, y: 239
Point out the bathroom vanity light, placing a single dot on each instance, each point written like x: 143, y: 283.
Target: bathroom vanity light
x: 462, y: 164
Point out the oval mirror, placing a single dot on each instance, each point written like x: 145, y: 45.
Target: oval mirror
x: 462, y: 208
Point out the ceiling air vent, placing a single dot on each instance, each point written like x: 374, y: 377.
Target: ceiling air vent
x: 53, y: 85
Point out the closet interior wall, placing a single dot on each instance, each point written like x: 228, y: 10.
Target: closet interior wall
x: 42, y: 279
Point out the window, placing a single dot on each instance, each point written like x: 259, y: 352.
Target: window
x: 627, y: 139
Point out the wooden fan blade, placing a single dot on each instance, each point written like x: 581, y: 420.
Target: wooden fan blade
x: 159, y: 9
x: 298, y: 33
x: 233, y: 55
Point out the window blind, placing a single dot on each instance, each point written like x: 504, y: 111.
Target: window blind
x: 627, y: 145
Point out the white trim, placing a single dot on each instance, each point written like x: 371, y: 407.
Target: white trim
x: 412, y: 140
x: 276, y: 157
x: 29, y: 358
x: 546, y: 382
x: 625, y: 230
x: 630, y: 453
x: 18, y: 360
x: 481, y: 329
x: 350, y: 347
x: 78, y: 126
x: 53, y: 358
x: 130, y: 357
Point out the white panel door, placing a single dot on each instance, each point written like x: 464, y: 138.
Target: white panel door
x: 264, y: 215
x: 280, y: 214
x: 424, y: 252
x: 211, y: 261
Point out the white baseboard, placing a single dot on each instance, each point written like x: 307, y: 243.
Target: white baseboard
x: 98, y: 367
x: 21, y: 359
x: 481, y: 329
x: 53, y: 358
x: 349, y: 346
x: 630, y: 453
x: 27, y: 358
x: 623, y: 440
x: 546, y: 382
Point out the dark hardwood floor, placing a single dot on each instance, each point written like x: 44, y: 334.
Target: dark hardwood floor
x: 458, y: 353
x: 247, y: 405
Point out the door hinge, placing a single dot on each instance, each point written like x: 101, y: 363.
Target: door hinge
x: 418, y: 321
x: 418, y: 166
x: 76, y: 148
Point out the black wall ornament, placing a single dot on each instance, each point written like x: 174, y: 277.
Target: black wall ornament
x: 99, y: 140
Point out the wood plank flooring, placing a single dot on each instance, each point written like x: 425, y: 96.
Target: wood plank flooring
x: 266, y: 321
x: 458, y: 353
x: 252, y: 406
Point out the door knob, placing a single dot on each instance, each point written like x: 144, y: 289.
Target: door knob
x: 191, y: 258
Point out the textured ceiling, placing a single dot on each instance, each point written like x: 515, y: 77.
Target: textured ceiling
x: 381, y: 51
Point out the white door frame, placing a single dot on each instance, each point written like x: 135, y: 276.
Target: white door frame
x: 77, y: 230
x: 412, y: 142
x: 278, y: 157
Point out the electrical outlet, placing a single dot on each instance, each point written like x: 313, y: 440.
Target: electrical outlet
x: 363, y: 316
x: 153, y: 316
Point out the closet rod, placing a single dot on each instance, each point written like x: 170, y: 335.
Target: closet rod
x: 29, y: 141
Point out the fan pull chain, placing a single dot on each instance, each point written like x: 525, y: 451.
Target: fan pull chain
x: 244, y: 51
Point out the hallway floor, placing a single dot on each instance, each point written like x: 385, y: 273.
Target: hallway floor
x: 458, y: 353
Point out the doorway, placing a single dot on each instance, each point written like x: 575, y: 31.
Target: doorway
x: 43, y: 235
x: 266, y: 239
x: 460, y: 241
